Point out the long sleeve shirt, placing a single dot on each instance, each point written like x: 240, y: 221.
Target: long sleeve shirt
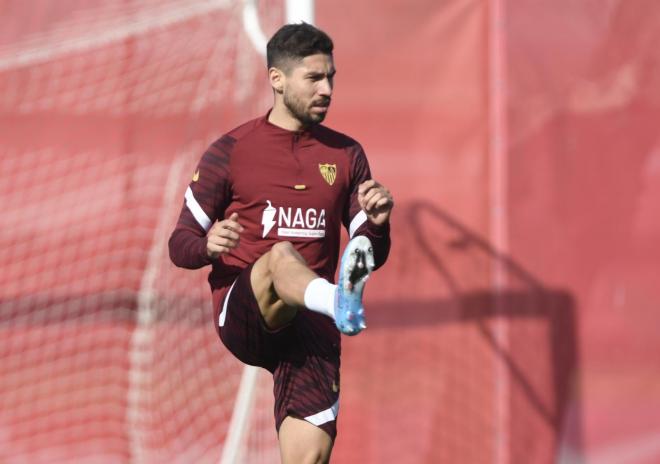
x: 295, y: 186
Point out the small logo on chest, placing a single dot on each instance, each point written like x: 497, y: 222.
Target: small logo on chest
x: 329, y: 172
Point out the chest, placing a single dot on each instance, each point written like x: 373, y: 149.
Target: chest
x: 296, y: 174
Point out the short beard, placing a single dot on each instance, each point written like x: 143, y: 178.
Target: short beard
x: 298, y: 111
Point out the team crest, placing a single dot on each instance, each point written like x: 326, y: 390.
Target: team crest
x: 329, y: 172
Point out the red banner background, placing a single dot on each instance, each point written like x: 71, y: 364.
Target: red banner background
x: 517, y: 319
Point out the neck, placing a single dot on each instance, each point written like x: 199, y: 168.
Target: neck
x: 281, y: 117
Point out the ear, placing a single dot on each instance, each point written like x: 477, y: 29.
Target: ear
x: 277, y: 79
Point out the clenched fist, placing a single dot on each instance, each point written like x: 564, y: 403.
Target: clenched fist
x: 376, y: 201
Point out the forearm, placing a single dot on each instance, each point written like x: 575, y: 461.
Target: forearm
x: 188, y: 250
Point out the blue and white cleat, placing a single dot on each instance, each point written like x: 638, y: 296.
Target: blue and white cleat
x: 356, y: 264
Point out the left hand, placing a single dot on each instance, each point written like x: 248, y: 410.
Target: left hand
x: 376, y: 201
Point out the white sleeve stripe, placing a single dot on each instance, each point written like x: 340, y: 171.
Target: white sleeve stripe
x: 197, y: 211
x: 359, y: 219
x: 322, y: 417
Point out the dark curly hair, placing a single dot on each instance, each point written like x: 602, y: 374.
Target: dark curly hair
x: 293, y: 42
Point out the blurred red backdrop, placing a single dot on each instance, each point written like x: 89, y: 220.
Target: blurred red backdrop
x: 516, y: 321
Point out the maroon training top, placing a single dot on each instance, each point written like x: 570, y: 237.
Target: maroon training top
x: 284, y: 185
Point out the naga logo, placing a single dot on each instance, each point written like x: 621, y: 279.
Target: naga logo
x: 293, y: 222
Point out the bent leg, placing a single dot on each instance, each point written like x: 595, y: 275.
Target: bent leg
x: 303, y: 443
x: 279, y: 279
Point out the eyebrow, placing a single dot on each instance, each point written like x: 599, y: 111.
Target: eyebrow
x: 320, y: 74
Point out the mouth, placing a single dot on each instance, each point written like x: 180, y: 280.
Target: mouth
x: 321, y: 104
x: 321, y: 107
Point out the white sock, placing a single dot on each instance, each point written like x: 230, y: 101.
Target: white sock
x: 320, y: 297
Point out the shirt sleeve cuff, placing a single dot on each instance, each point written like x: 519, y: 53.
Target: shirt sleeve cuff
x: 201, y: 251
x: 379, y: 231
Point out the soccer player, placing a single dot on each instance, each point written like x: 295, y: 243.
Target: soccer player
x: 265, y: 208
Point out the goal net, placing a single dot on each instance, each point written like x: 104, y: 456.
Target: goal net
x: 107, y: 351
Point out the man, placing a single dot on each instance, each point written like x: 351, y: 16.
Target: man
x: 284, y: 184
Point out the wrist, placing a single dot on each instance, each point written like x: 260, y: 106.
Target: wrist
x: 205, y: 252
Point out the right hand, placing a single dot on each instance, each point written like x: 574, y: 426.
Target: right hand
x: 223, y: 236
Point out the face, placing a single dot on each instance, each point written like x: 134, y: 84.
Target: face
x: 307, y: 88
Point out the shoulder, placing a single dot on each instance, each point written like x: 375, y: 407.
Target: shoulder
x: 245, y: 130
x: 226, y: 143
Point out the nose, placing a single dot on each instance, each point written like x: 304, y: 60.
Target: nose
x: 325, y: 87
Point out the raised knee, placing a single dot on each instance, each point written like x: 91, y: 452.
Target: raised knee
x: 281, y: 251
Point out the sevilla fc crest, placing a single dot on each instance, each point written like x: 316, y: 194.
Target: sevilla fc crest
x: 329, y: 172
